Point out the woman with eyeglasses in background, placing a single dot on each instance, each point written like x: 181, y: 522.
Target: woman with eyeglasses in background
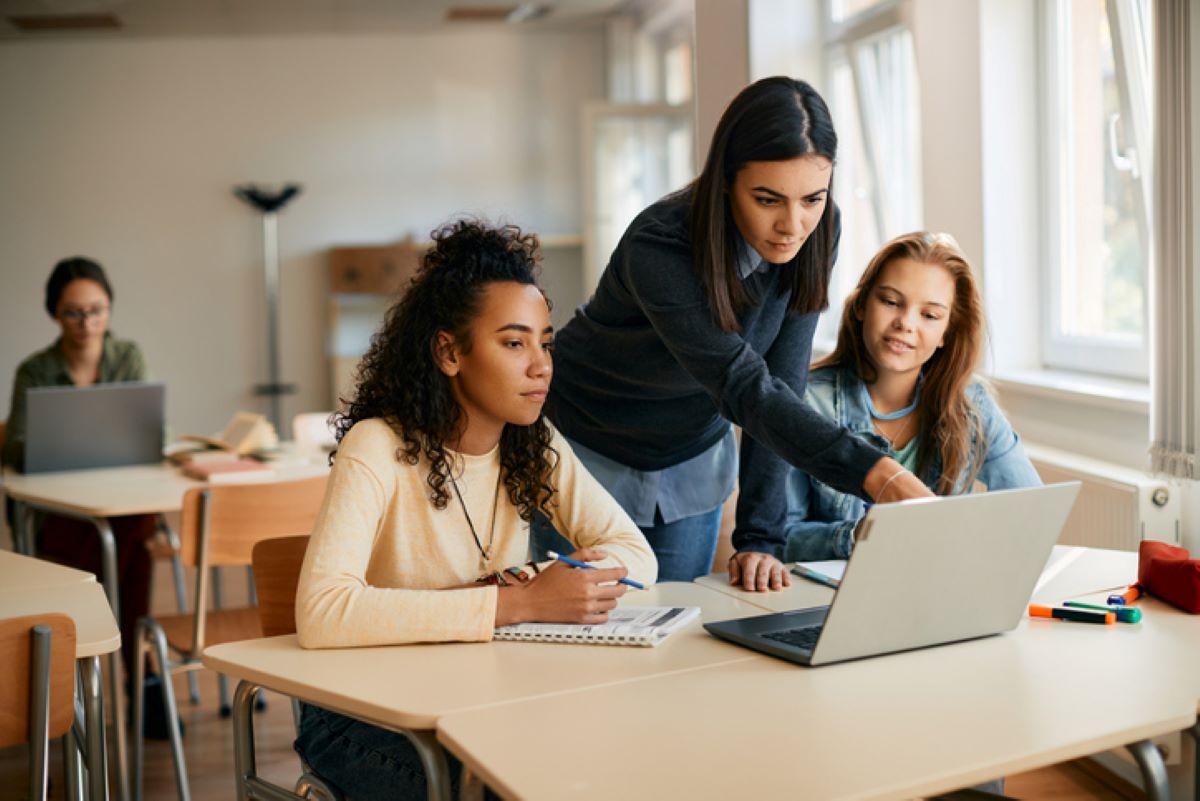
x: 79, y: 298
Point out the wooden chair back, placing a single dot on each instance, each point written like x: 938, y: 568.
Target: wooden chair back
x: 241, y: 515
x: 277, y: 566
x: 16, y: 676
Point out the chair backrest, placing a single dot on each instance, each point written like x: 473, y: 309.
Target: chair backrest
x: 277, y: 566
x: 17, y: 677
x: 240, y: 515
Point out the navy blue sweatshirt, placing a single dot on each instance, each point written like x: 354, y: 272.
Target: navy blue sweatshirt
x: 644, y: 375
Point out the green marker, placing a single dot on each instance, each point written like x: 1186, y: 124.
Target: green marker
x: 1125, y: 614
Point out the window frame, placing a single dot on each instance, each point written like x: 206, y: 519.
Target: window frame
x: 1111, y: 356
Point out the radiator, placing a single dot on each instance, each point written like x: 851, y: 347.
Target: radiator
x: 1118, y: 507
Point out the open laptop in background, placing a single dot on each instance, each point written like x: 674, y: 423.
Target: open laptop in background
x: 106, y: 425
x: 925, y: 572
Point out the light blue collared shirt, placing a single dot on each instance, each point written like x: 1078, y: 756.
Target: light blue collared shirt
x: 689, y: 488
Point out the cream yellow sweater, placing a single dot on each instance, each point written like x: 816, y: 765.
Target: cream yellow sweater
x: 381, y: 553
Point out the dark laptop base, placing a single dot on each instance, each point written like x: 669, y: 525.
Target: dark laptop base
x: 749, y: 632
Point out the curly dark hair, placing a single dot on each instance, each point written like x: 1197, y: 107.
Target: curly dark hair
x: 399, y: 380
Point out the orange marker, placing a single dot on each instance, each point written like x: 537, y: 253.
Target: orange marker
x: 1130, y: 595
x: 1067, y: 613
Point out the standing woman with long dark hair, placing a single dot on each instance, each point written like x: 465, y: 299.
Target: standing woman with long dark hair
x: 705, y: 317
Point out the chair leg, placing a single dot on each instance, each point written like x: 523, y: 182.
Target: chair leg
x: 180, y: 597
x: 72, y: 768
x: 172, y: 711
x: 313, y: 787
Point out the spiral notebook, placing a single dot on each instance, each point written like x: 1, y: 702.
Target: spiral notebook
x: 630, y: 625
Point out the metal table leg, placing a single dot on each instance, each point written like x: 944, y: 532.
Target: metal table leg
x: 1154, y: 770
x: 1195, y: 732
x: 433, y: 758
x: 93, y: 705
x: 108, y: 552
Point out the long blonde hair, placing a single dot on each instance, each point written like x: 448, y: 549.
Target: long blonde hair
x: 948, y: 423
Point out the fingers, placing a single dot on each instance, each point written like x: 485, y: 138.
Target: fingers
x: 609, y: 591
x: 758, y: 572
x: 605, y: 575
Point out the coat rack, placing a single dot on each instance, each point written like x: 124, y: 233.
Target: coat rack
x: 269, y: 203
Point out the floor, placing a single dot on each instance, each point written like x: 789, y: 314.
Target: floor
x: 208, y: 744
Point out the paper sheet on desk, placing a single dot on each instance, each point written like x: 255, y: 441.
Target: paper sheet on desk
x: 1060, y: 558
x: 833, y: 568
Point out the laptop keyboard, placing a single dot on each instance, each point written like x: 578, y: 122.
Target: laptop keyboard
x: 804, y: 637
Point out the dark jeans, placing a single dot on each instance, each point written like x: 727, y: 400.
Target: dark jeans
x: 684, y: 549
x: 365, y: 762
x: 75, y: 543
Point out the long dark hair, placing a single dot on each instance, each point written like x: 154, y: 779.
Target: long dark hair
x: 774, y: 119
x: 399, y: 380
x: 948, y: 422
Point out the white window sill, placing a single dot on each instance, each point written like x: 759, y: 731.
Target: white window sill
x: 1100, y: 392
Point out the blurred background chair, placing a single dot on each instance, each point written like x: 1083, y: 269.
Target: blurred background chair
x: 219, y: 527
x: 37, y: 694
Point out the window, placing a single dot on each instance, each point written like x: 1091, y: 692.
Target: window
x: 638, y: 144
x: 872, y: 95
x: 1096, y: 172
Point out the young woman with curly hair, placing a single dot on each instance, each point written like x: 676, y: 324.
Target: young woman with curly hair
x: 903, y: 377
x: 443, y: 459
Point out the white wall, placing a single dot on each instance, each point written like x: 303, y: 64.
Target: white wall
x: 127, y: 150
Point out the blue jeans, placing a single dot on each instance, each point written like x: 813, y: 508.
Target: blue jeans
x: 684, y: 549
x: 365, y: 762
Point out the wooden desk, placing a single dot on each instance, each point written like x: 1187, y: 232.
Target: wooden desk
x: 95, y: 634
x: 409, y: 688
x: 97, y: 495
x: 907, y: 725
x: 18, y: 572
x: 897, y: 726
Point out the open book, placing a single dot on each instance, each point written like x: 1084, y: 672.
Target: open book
x: 247, y: 432
x: 630, y: 625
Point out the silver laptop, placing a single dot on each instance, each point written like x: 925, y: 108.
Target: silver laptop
x: 925, y: 572
x: 106, y: 425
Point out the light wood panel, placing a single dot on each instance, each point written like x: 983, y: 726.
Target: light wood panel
x: 16, y: 675
x: 277, y: 564
x: 242, y: 515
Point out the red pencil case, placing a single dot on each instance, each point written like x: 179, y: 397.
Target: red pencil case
x: 1169, y: 573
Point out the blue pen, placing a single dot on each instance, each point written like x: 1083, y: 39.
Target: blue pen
x: 566, y: 560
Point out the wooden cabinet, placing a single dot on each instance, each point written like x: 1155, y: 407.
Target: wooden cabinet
x: 365, y: 280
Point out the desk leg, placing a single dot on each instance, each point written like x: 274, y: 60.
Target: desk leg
x: 1154, y: 770
x: 433, y: 758
x: 108, y: 555
x: 249, y: 785
x: 1195, y: 732
x: 22, y: 534
x: 93, y: 705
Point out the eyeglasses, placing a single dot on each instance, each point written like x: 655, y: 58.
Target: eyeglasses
x: 83, y: 315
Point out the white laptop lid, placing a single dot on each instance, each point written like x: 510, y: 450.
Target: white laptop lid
x: 941, y: 570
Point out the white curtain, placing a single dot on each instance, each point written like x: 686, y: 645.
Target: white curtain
x: 1174, y: 414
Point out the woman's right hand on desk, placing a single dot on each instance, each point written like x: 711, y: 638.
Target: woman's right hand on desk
x: 889, y: 481
x: 563, y: 594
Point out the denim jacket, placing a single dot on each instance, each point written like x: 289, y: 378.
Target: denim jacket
x: 820, y: 520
